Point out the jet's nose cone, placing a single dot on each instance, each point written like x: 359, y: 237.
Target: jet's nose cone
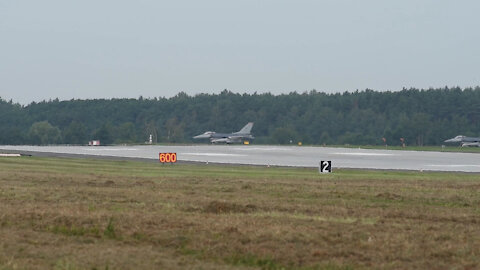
x: 453, y: 140
x: 202, y: 136
x: 459, y: 138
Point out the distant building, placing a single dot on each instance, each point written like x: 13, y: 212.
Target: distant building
x: 94, y: 143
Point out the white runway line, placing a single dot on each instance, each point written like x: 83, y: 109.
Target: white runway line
x: 10, y: 155
x: 214, y: 154
x: 261, y: 149
x: 363, y: 154
x: 110, y: 149
x: 454, y: 165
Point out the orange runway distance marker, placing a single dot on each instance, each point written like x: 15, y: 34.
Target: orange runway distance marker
x: 167, y: 157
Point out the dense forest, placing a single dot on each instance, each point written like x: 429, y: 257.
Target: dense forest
x: 421, y: 117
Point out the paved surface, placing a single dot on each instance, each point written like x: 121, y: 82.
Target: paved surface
x: 277, y: 156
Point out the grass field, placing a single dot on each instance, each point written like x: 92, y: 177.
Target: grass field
x: 98, y: 214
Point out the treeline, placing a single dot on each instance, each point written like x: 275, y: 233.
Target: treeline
x: 421, y: 117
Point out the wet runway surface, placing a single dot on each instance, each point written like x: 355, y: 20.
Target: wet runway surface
x: 278, y: 156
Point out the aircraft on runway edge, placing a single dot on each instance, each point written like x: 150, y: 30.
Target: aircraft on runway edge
x: 465, y: 141
x: 236, y: 137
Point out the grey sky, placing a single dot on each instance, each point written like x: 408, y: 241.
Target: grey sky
x: 105, y: 49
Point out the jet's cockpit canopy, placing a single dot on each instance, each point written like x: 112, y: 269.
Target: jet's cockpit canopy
x: 205, y: 135
x: 458, y: 138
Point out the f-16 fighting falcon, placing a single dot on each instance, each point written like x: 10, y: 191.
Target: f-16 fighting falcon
x: 236, y: 137
x: 465, y: 141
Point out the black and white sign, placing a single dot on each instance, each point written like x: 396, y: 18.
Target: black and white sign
x: 325, y: 166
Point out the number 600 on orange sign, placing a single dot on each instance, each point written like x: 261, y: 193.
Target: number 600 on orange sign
x: 167, y: 157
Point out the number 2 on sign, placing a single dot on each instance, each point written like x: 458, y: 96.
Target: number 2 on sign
x: 326, y: 166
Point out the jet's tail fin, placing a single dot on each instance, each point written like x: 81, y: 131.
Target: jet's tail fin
x: 246, y: 129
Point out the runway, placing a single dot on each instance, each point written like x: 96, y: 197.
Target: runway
x: 297, y: 156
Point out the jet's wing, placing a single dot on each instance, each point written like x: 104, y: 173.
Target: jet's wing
x: 466, y: 144
x: 229, y: 139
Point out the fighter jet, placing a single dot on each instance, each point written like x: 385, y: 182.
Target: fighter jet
x: 228, y: 138
x: 465, y: 141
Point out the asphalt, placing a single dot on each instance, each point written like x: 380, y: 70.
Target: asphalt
x: 297, y: 156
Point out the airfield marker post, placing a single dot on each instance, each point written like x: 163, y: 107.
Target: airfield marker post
x: 325, y: 166
x: 167, y: 158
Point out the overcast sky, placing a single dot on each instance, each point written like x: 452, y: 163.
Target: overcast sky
x: 116, y: 48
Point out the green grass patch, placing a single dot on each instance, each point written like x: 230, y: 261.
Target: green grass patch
x: 109, y: 231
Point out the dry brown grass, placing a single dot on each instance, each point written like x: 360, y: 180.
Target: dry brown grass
x: 69, y: 215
